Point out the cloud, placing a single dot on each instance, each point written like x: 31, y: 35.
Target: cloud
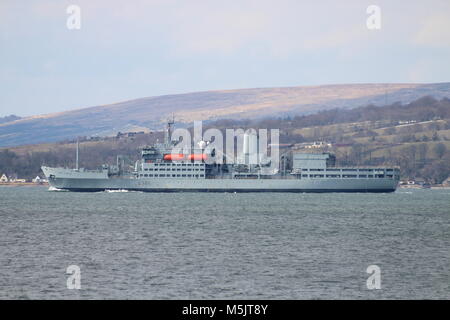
x: 282, y: 28
x: 435, y: 31
x: 166, y: 46
x: 207, y: 27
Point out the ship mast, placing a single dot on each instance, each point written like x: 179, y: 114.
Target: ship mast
x: 78, y: 147
x: 168, y: 132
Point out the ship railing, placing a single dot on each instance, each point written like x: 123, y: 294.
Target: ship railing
x: 363, y: 167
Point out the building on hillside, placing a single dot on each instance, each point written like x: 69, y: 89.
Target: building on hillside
x: 128, y: 134
x: 318, y: 145
x: 37, y: 180
x: 313, y: 145
x: 4, y: 178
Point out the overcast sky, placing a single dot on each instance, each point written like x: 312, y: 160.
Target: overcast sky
x: 132, y: 49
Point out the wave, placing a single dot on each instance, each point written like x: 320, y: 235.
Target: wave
x: 118, y: 190
x: 56, y: 189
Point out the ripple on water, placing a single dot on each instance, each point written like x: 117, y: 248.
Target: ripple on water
x: 224, y: 246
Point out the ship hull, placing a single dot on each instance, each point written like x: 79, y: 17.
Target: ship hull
x: 82, y: 182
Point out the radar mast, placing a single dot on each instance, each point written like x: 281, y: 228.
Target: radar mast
x: 168, y: 132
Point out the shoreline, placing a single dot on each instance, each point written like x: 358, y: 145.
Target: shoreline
x: 32, y: 184
x: 23, y: 184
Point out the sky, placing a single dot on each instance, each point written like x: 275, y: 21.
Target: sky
x: 132, y: 49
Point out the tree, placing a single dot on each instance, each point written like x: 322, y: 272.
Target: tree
x: 356, y: 153
x: 440, y: 149
x: 425, y: 138
x: 422, y: 150
x: 435, y: 136
x: 389, y: 131
x: 437, y: 171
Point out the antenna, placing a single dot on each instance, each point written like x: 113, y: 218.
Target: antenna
x: 78, y: 147
x: 168, y: 132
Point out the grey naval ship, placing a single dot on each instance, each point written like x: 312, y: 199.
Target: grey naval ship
x: 160, y: 170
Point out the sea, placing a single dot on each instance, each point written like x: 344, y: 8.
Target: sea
x: 133, y: 245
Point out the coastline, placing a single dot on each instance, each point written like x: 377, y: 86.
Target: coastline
x: 23, y: 184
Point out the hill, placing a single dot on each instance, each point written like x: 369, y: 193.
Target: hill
x: 9, y: 118
x: 414, y: 136
x: 150, y: 113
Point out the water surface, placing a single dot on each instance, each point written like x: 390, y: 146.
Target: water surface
x: 224, y: 246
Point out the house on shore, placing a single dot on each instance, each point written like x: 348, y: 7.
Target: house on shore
x: 4, y: 178
x: 37, y: 180
x: 446, y: 182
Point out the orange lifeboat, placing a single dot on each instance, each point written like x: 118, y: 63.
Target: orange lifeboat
x: 190, y: 157
x: 197, y: 157
x: 174, y: 157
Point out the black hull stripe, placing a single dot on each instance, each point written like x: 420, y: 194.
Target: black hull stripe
x: 242, y: 190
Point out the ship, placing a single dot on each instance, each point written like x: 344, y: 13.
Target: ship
x: 159, y: 169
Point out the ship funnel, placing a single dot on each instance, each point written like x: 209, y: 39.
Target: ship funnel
x: 250, y: 148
